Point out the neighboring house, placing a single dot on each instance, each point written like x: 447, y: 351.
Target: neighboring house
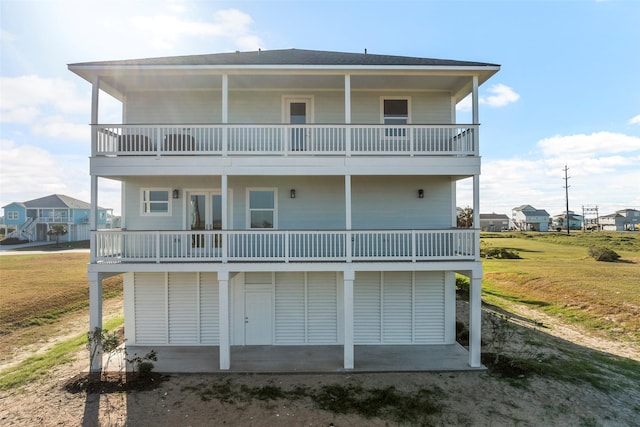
x: 575, y: 221
x: 291, y: 199
x: 33, y: 219
x: 624, y: 219
x: 632, y: 218
x: 528, y: 218
x: 494, y: 222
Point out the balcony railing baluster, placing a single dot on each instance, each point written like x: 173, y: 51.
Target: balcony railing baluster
x: 284, y: 246
x: 283, y: 140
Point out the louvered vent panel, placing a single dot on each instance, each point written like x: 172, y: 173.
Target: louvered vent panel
x: 290, y: 322
x: 209, y: 309
x: 429, y: 306
x: 183, y: 308
x: 150, y: 308
x: 322, y: 308
x: 397, y: 308
x: 366, y: 308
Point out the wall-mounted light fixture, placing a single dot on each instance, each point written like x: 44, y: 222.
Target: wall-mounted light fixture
x: 421, y: 194
x: 176, y: 193
x: 292, y: 193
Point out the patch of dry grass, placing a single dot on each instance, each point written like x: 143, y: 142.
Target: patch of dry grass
x: 562, y: 279
x: 36, y: 289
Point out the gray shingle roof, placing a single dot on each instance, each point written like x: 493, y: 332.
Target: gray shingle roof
x: 57, y: 201
x: 494, y: 216
x: 292, y: 57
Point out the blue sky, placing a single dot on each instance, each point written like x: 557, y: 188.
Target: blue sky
x: 568, y: 92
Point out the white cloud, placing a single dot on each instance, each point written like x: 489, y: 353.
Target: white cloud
x: 501, y: 95
x: 604, y: 170
x: 165, y: 31
x: 6, y: 37
x: 58, y: 127
x: 635, y: 120
x: 589, y: 146
x: 48, y: 106
x: 29, y: 172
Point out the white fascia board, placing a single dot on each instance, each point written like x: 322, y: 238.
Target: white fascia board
x: 463, y: 267
x: 257, y: 69
x: 283, y: 166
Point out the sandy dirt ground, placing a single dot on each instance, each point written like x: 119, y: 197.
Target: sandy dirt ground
x: 463, y: 398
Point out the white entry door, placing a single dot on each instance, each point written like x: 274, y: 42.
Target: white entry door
x: 258, y: 317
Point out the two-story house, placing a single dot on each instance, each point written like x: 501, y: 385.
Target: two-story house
x: 576, y: 221
x: 528, y: 218
x: 622, y: 220
x: 32, y: 220
x: 288, y: 200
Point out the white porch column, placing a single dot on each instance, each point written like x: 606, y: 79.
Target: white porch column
x: 223, y: 306
x: 93, y: 220
x: 225, y: 98
x: 476, y: 213
x: 347, y: 197
x: 225, y: 114
x: 347, y: 113
x: 95, y: 316
x: 349, y: 277
x: 347, y: 99
x: 95, y: 95
x: 224, y: 197
x: 475, y: 320
x: 475, y: 116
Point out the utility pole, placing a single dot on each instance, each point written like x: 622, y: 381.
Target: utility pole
x: 566, y: 191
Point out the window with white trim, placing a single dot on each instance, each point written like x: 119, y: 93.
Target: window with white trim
x: 395, y: 111
x: 261, y: 212
x: 13, y: 215
x: 155, y: 201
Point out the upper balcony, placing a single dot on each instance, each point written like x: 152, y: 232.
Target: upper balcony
x: 225, y: 140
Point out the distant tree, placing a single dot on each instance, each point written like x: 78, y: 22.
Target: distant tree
x: 465, y: 218
x: 57, y: 230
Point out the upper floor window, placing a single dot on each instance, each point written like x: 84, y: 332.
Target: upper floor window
x: 262, y: 208
x: 13, y: 215
x: 395, y: 111
x: 155, y: 201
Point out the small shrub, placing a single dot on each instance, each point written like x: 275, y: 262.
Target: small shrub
x: 462, y: 287
x: 144, y: 365
x: 499, y: 253
x: 603, y: 254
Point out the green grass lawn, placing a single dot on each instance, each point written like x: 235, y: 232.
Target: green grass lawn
x: 37, y: 289
x: 557, y: 276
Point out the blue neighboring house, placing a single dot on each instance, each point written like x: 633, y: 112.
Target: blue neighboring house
x: 33, y: 219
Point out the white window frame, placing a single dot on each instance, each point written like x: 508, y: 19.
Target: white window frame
x: 249, y: 210
x: 395, y: 98
x: 288, y: 99
x: 145, y: 202
x: 13, y: 215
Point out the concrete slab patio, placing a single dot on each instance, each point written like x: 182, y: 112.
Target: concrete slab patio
x: 309, y: 359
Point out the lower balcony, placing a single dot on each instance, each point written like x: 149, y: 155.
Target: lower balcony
x: 184, y: 246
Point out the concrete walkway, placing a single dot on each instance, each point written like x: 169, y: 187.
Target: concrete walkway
x: 308, y: 359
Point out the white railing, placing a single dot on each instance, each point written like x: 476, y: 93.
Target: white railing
x: 285, y: 140
x: 56, y: 218
x: 115, y: 246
